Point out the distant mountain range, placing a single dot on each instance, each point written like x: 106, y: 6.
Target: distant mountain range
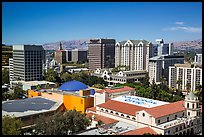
x: 71, y: 44
x: 82, y: 44
x: 188, y: 45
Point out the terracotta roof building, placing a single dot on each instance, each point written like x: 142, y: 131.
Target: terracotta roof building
x: 140, y: 131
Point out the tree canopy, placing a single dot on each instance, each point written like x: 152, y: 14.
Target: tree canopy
x: 11, y: 126
x: 62, y: 123
x: 5, y: 76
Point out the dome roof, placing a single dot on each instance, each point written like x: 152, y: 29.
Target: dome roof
x: 92, y: 91
x: 72, y: 86
x: 191, y: 96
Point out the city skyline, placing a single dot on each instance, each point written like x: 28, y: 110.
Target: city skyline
x: 44, y: 22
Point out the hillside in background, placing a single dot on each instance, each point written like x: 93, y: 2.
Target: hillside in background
x: 188, y: 45
x: 81, y: 44
x: 71, y: 44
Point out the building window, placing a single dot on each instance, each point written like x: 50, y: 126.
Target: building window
x: 193, y: 105
x: 180, y: 127
x: 183, y: 114
x: 176, y: 129
x: 116, y: 113
x: 187, y: 105
x: 188, y: 113
x: 111, y: 112
x: 127, y: 116
x: 122, y: 115
x: 191, y: 123
x: 167, y: 119
x: 175, y: 116
x: 158, y: 121
x: 143, y: 114
x: 106, y: 110
x: 133, y: 118
x: 101, y: 109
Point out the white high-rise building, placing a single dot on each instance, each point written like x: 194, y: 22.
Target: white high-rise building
x: 159, y: 66
x: 155, y: 69
x: 132, y: 53
x: 187, y: 74
x: 198, y: 59
x: 10, y: 69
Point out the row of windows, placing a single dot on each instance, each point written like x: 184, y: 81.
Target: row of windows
x: 167, y: 119
x: 116, y: 113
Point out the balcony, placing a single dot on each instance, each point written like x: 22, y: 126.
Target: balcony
x: 175, y: 122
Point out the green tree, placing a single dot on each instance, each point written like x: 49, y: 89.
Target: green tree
x: 62, y: 123
x: 145, y: 80
x: 5, y: 76
x: 188, y: 87
x: 18, y: 92
x: 51, y: 75
x: 11, y: 125
x: 66, y: 77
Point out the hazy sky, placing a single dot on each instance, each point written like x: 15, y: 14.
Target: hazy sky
x: 42, y: 22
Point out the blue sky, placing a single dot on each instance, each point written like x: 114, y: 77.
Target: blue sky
x: 42, y: 22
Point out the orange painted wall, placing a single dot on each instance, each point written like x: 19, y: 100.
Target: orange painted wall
x: 32, y: 93
x: 80, y: 104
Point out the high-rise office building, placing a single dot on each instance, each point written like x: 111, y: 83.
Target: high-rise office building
x: 79, y: 55
x: 133, y: 54
x: 184, y: 75
x: 101, y: 53
x: 198, y: 59
x: 155, y: 69
x: 160, y: 65
x: 60, y: 55
x: 28, y: 62
x: 160, y: 48
x: 68, y: 55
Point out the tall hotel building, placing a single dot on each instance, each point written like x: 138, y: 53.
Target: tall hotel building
x: 187, y: 74
x: 132, y: 53
x: 101, y: 53
x: 27, y: 63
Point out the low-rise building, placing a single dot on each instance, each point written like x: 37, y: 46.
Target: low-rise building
x: 119, y: 77
x: 102, y: 96
x: 178, y: 118
x: 25, y: 85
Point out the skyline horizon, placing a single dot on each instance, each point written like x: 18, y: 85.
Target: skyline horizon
x: 100, y: 20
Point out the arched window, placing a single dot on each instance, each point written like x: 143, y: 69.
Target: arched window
x: 187, y: 105
x: 127, y: 116
x: 143, y: 114
x: 116, y: 113
x: 133, y: 118
x: 106, y: 110
x: 122, y: 115
x: 102, y: 110
x: 111, y: 112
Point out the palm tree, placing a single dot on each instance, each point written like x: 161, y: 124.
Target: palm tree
x: 179, y: 83
x: 188, y: 87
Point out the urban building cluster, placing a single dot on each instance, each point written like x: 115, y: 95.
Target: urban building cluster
x: 120, y: 110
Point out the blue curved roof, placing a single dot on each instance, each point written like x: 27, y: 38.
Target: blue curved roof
x: 72, y: 86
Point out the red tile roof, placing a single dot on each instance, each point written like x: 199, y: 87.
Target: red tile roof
x: 105, y: 120
x: 166, y: 109
x: 140, y: 131
x: 121, y: 107
x: 92, y: 109
x: 125, y: 88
